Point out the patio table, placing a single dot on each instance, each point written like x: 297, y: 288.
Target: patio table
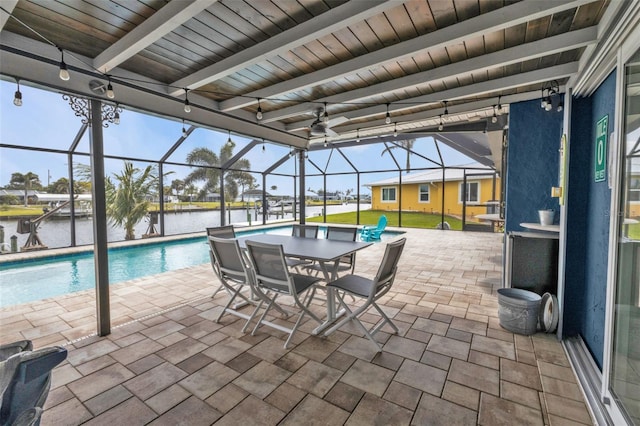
x: 326, y: 252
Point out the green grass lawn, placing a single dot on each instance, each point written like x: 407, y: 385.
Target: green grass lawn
x: 409, y: 219
x: 10, y: 211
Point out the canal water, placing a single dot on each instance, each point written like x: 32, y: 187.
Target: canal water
x: 57, y: 233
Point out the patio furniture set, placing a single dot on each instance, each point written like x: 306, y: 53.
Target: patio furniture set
x: 272, y: 266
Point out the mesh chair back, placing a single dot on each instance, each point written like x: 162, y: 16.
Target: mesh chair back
x: 387, y: 269
x: 269, y: 265
x: 221, y: 232
x: 305, y: 231
x: 338, y: 233
x: 228, y: 256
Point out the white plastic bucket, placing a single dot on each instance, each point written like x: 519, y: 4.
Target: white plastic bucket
x: 518, y: 310
x: 546, y: 217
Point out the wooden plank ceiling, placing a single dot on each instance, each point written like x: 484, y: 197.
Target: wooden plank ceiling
x: 292, y: 58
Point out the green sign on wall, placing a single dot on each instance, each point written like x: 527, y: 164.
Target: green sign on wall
x: 601, y: 149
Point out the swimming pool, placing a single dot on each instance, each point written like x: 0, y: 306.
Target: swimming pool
x: 27, y: 281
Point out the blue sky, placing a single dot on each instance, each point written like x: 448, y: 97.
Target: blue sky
x: 46, y: 120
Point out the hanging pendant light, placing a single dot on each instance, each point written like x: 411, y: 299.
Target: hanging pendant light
x: 116, y: 115
x: 110, y: 93
x: 259, y: 112
x: 187, y: 106
x: 64, y: 72
x: 17, y: 97
x: 387, y: 119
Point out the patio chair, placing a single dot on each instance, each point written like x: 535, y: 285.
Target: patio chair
x: 13, y: 348
x: 234, y: 274
x: 25, y: 379
x: 369, y: 289
x: 226, y: 231
x: 302, y: 231
x: 372, y: 233
x: 272, y: 278
x: 339, y: 233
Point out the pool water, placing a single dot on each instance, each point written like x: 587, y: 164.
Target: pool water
x: 27, y: 281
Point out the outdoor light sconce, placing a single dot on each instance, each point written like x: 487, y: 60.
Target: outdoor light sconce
x: 549, y: 90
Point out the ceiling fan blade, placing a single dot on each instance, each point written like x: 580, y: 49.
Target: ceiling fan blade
x: 330, y: 132
x: 336, y: 121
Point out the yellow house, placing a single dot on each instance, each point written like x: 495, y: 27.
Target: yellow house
x: 422, y: 191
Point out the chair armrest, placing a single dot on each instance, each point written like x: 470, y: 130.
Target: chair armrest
x: 13, y: 348
x: 40, y: 362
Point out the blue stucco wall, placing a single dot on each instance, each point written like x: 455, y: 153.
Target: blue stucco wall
x: 532, y: 163
x: 588, y: 205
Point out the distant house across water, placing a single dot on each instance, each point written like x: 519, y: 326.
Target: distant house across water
x: 422, y: 191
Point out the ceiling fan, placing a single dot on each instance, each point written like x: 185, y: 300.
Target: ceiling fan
x: 320, y: 127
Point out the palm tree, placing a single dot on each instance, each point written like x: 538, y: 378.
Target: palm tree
x: 25, y: 181
x: 177, y: 186
x: 209, y: 172
x: 61, y: 186
x: 407, y: 145
x: 127, y: 198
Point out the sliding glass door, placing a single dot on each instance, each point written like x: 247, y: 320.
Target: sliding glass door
x: 624, y: 377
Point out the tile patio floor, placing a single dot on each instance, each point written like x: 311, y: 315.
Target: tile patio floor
x: 166, y: 362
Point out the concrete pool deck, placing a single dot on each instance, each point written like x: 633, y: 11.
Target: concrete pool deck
x: 166, y: 361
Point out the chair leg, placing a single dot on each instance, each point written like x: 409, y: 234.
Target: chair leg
x: 264, y: 314
x: 252, y: 316
x: 353, y: 316
x: 293, y: 330
x: 224, y: 309
x: 386, y: 320
x: 304, y: 309
x: 216, y: 291
x: 233, y: 292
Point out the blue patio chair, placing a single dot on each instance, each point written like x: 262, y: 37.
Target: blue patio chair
x: 371, y: 233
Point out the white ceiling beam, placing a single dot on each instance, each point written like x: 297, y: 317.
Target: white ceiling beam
x: 6, y: 11
x: 36, y: 63
x: 499, y: 19
x: 598, y: 61
x: 471, y: 90
x: 328, y: 22
x: 422, y: 119
x: 525, y: 52
x: 165, y: 20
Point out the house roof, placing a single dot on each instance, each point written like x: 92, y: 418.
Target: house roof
x: 473, y: 171
x: 255, y: 192
x: 422, y: 61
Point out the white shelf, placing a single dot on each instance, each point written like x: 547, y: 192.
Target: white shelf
x: 493, y: 217
x: 538, y: 227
